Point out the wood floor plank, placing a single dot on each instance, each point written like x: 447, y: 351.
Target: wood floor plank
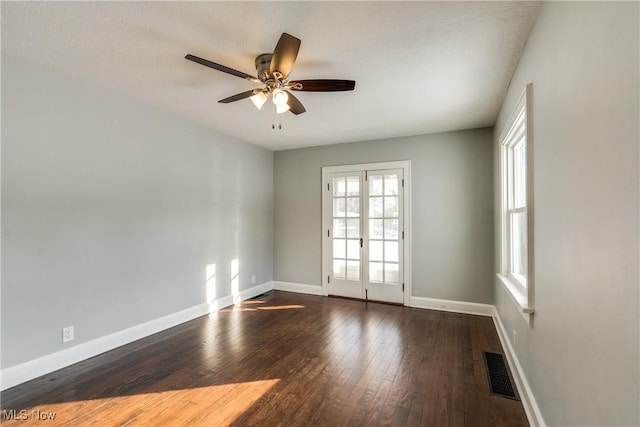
x: 285, y: 359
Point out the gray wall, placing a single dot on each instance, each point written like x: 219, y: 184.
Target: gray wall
x: 111, y: 211
x: 581, y: 356
x: 452, y: 210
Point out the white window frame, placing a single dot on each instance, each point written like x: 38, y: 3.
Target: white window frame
x: 520, y: 288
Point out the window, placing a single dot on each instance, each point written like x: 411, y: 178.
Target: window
x: 516, y: 215
x: 515, y: 186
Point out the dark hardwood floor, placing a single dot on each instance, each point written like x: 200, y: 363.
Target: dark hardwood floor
x: 284, y: 359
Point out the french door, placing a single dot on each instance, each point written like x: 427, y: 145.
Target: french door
x: 364, y: 232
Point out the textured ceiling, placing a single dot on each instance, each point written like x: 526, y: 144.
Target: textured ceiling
x: 420, y: 67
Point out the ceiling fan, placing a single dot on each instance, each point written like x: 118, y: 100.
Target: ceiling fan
x: 273, y: 70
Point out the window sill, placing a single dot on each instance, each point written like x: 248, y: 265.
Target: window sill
x: 519, y: 297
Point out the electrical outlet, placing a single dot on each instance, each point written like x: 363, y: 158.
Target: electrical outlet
x: 253, y: 279
x: 515, y: 340
x: 67, y: 334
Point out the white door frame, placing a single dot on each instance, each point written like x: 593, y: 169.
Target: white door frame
x: 405, y: 165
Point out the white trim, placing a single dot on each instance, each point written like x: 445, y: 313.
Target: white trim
x: 18, y: 374
x: 531, y: 282
x: 526, y: 395
x: 26, y: 371
x: 256, y: 290
x: 532, y: 410
x: 220, y: 303
x: 453, y: 306
x: 298, y: 287
x: 399, y: 164
x: 408, y: 226
x: 524, y: 298
x: 518, y: 296
x: 515, y: 111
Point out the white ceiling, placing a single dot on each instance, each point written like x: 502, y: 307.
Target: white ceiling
x: 420, y: 67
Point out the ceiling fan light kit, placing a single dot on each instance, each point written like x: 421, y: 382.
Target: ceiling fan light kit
x: 259, y: 99
x: 273, y: 71
x: 280, y: 97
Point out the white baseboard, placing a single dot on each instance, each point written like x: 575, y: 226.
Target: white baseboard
x: 220, y: 303
x: 298, y: 287
x: 255, y: 291
x: 26, y: 371
x: 18, y: 374
x: 453, y: 306
x: 528, y: 400
x: 526, y: 395
x: 23, y: 372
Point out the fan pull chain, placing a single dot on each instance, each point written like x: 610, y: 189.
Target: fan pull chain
x: 275, y: 114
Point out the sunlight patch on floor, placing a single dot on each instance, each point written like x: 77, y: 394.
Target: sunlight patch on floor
x: 265, y: 308
x: 280, y: 307
x: 212, y: 405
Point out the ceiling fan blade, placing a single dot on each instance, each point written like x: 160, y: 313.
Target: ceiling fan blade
x: 240, y: 96
x: 322, y: 85
x: 295, y: 106
x: 222, y: 68
x: 285, y: 54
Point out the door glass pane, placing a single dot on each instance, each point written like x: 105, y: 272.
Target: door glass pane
x: 339, y: 186
x: 384, y: 227
x: 391, y: 251
x: 353, y: 207
x: 353, y: 270
x: 353, y: 185
x: 519, y: 243
x: 353, y: 228
x: 390, y: 273
x: 391, y: 229
x: 375, y: 251
x: 339, y: 207
x: 346, y: 230
x: 375, y: 271
x: 391, y: 207
x: 375, y: 185
x: 339, y: 248
x: 339, y: 227
x: 391, y: 184
x: 375, y: 229
x: 375, y: 207
x: 353, y: 249
x: 339, y: 268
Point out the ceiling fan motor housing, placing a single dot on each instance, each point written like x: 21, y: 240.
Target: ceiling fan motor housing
x: 263, y: 66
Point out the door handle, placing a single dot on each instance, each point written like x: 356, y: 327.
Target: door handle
x: 361, y: 242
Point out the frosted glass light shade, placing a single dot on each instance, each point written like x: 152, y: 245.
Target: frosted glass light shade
x: 258, y: 99
x: 280, y: 97
x: 282, y: 108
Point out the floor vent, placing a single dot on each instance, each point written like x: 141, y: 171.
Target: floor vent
x: 500, y: 382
